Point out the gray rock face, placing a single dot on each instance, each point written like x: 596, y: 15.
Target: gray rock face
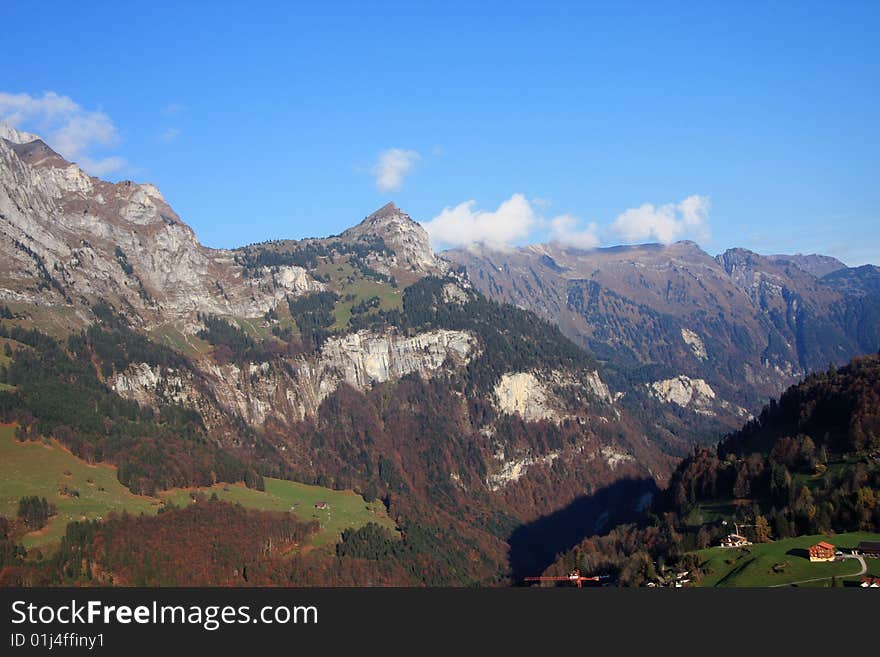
x: 694, y: 394
x: 536, y: 395
x: 410, y: 242
x: 365, y: 357
x: 68, y: 237
x: 258, y: 392
x: 746, y: 324
x: 10, y: 134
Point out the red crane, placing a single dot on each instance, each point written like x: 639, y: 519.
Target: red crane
x: 574, y: 577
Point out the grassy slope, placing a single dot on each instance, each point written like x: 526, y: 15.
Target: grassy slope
x: 346, y: 509
x: 37, y: 468
x: 753, y: 566
x: 345, y: 280
x: 188, y: 345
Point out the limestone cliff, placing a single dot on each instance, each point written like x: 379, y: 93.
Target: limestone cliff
x: 66, y: 237
x: 257, y: 392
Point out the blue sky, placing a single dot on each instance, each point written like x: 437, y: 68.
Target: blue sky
x: 735, y: 124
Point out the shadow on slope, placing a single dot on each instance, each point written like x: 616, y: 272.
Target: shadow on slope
x: 535, y: 545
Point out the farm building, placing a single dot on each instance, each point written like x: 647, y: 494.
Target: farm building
x: 869, y: 548
x: 734, y: 540
x: 822, y: 551
x: 322, y: 505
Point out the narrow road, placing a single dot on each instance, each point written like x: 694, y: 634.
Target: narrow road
x: 862, y: 571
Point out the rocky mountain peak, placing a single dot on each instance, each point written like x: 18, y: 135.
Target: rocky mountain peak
x: 37, y: 153
x: 403, y: 235
x: 10, y: 134
x: 389, y: 210
x: 385, y: 220
x: 738, y: 258
x: 816, y: 264
x: 69, y: 238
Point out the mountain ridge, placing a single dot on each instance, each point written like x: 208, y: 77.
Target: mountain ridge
x: 357, y: 361
x: 363, y: 361
x: 740, y: 324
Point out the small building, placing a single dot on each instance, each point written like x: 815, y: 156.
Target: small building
x: 321, y: 505
x: 870, y: 582
x: 822, y: 551
x: 869, y: 549
x: 734, y: 540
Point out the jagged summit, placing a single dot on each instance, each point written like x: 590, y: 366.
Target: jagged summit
x: 380, y: 222
x: 9, y: 133
x: 38, y: 153
x: 406, y: 237
x: 388, y: 210
x: 743, y: 323
x: 813, y: 263
x: 69, y: 238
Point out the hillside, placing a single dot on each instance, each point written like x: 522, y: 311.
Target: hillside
x: 808, y: 465
x: 493, y: 436
x: 353, y: 362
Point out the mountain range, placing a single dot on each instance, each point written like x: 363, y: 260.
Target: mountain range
x: 474, y: 393
x: 679, y: 330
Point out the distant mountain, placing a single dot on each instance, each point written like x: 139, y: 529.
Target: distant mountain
x: 861, y: 281
x: 678, y: 330
x: 815, y: 264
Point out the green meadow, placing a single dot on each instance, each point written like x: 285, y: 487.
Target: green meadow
x: 344, y: 508
x: 346, y: 280
x: 82, y: 491
x: 79, y: 491
x: 779, y: 562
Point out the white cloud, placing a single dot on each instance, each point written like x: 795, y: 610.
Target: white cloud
x: 68, y: 128
x: 392, y: 166
x: 564, y: 230
x: 664, y: 223
x: 465, y: 225
x: 519, y: 219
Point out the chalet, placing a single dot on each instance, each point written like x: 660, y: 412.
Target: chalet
x: 822, y: 551
x: 734, y: 540
x: 869, y: 548
x: 321, y: 505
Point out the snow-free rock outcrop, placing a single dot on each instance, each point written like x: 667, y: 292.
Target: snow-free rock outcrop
x: 67, y: 237
x: 554, y: 395
x: 257, y: 392
x: 693, y: 394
